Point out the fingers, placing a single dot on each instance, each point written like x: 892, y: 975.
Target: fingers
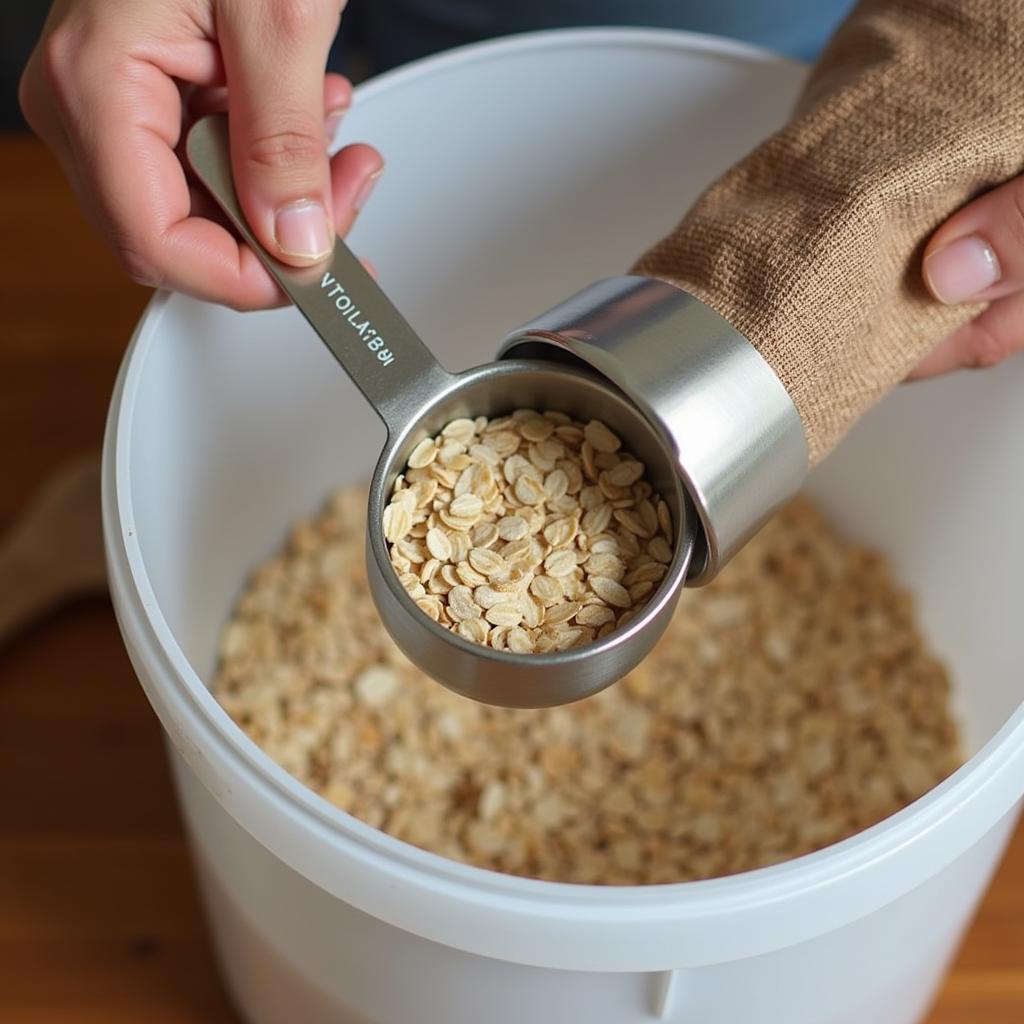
x: 337, y: 100
x: 987, y: 340
x: 213, y: 265
x: 275, y: 52
x: 205, y: 258
x: 354, y: 174
x: 978, y: 254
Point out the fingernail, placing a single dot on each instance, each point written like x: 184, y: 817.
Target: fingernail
x: 301, y: 230
x: 366, y: 189
x: 962, y: 269
x: 331, y: 122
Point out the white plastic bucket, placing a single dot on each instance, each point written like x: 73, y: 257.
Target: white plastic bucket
x: 517, y: 172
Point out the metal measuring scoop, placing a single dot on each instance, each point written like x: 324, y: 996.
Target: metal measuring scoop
x: 415, y: 397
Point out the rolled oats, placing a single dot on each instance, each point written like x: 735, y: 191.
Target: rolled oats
x: 423, y: 454
x: 600, y: 438
x: 790, y: 704
x: 505, y: 509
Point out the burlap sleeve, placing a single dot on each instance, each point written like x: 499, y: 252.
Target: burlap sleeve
x: 811, y: 245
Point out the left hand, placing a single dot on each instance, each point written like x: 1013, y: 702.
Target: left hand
x: 978, y: 256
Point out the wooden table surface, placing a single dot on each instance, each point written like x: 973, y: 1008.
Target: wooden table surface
x: 99, y: 919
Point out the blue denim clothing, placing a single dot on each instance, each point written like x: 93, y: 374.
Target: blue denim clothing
x: 391, y: 32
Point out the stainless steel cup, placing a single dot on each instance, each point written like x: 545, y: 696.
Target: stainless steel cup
x: 735, y: 434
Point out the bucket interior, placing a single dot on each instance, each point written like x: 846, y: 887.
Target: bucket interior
x: 499, y: 199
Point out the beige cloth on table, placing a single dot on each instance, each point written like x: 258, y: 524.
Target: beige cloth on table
x: 811, y: 246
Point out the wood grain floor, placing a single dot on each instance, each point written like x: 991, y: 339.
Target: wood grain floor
x: 99, y: 920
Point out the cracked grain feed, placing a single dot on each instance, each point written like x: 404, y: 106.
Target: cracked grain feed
x: 529, y: 533
x: 790, y: 704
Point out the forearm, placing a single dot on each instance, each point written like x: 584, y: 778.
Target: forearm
x: 811, y: 245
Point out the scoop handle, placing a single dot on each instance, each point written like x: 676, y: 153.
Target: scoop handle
x: 385, y: 358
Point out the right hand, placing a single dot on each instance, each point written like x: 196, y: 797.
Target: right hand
x: 113, y: 85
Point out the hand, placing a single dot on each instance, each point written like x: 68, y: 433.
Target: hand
x: 978, y: 256
x: 112, y: 86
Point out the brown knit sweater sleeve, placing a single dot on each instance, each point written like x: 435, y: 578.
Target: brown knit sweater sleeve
x: 811, y: 246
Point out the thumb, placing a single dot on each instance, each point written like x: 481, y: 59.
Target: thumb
x: 978, y: 254
x: 275, y: 53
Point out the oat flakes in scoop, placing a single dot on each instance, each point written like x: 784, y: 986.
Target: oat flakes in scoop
x: 529, y: 533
